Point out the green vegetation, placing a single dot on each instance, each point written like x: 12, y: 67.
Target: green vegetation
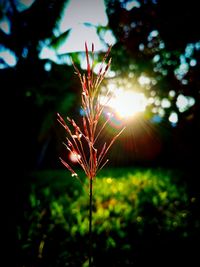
x: 132, y: 208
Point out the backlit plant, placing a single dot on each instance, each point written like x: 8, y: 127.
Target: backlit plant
x: 82, y: 140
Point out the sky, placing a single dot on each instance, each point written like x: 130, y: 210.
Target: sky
x: 80, y: 17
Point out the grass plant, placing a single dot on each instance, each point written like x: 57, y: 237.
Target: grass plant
x: 82, y: 140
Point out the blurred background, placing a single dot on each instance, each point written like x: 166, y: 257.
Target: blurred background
x: 146, y: 202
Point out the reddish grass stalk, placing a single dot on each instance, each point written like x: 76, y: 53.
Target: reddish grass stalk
x: 87, y: 134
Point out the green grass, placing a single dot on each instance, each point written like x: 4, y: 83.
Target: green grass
x: 132, y: 207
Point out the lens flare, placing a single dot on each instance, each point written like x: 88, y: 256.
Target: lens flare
x: 127, y: 103
x: 74, y: 157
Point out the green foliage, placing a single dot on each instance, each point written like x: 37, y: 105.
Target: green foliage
x: 141, y: 199
x: 58, y: 41
x: 130, y: 206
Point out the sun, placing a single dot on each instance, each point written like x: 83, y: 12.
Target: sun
x: 126, y: 104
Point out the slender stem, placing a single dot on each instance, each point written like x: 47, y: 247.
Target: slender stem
x: 90, y: 225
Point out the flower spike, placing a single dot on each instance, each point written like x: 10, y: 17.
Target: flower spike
x: 82, y: 139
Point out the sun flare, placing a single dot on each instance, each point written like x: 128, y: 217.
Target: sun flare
x: 126, y: 104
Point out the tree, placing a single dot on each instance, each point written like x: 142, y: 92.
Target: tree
x: 160, y: 40
x: 146, y: 35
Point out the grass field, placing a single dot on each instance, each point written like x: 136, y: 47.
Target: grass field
x: 140, y: 216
